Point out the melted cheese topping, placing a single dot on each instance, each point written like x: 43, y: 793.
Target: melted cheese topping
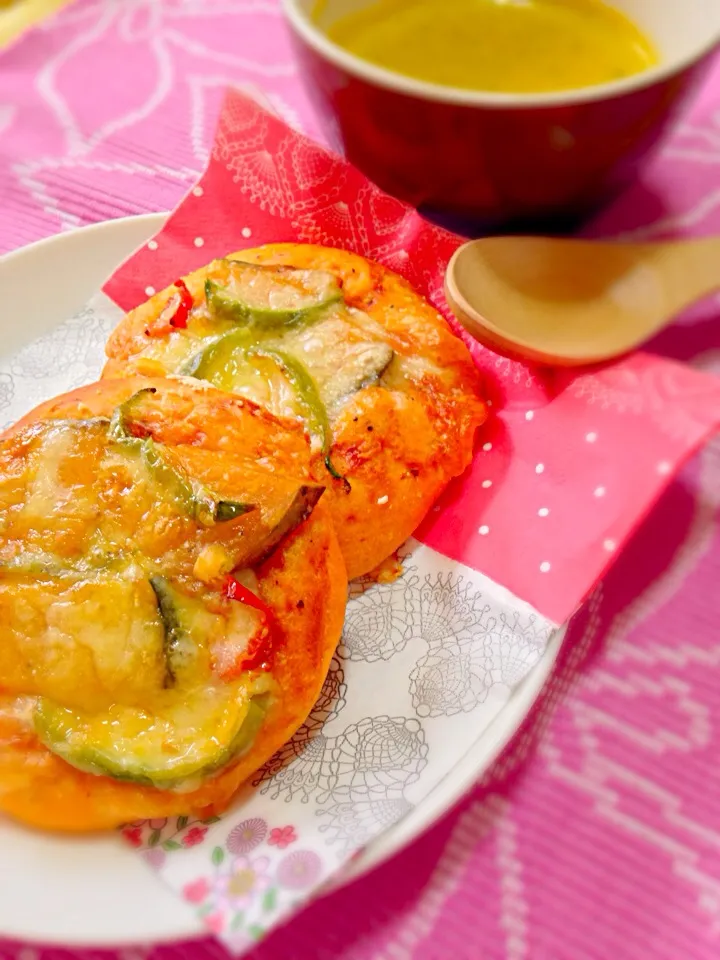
x: 343, y: 349
x: 101, y: 613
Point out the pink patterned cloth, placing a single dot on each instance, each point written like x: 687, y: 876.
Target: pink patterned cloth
x: 597, y: 834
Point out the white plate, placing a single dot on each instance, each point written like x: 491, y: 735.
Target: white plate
x: 96, y: 891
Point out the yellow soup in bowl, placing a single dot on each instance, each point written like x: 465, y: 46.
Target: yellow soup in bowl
x: 503, y: 46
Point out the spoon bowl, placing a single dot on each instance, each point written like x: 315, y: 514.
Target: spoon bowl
x: 574, y: 302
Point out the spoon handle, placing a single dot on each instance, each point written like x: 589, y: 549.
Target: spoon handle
x: 690, y: 270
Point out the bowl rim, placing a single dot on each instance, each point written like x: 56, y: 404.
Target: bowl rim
x: 314, y: 37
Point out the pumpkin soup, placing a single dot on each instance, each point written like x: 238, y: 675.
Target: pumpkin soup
x: 503, y: 46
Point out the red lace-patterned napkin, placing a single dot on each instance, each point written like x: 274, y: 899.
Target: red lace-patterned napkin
x: 569, y: 464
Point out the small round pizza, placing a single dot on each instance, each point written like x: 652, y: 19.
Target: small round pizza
x: 390, y: 397
x: 169, y: 601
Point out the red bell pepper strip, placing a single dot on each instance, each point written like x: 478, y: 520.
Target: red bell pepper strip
x: 174, y: 315
x: 260, y: 646
x: 180, y: 317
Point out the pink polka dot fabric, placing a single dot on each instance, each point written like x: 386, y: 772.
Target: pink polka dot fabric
x: 597, y: 834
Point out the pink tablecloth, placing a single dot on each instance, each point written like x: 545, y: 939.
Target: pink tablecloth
x: 597, y: 835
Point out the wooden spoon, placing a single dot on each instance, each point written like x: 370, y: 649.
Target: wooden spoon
x: 572, y: 302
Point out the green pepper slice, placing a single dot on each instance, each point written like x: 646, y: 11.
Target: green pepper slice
x: 198, y: 502
x: 308, y: 397
x: 271, y: 296
x: 206, y: 366
x: 192, y: 738
x: 185, y: 622
x: 120, y: 427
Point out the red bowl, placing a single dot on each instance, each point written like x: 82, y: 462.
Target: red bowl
x: 501, y: 158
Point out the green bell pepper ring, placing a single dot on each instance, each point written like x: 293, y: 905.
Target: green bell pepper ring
x: 223, y: 303
x: 308, y: 397
x: 198, y: 502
